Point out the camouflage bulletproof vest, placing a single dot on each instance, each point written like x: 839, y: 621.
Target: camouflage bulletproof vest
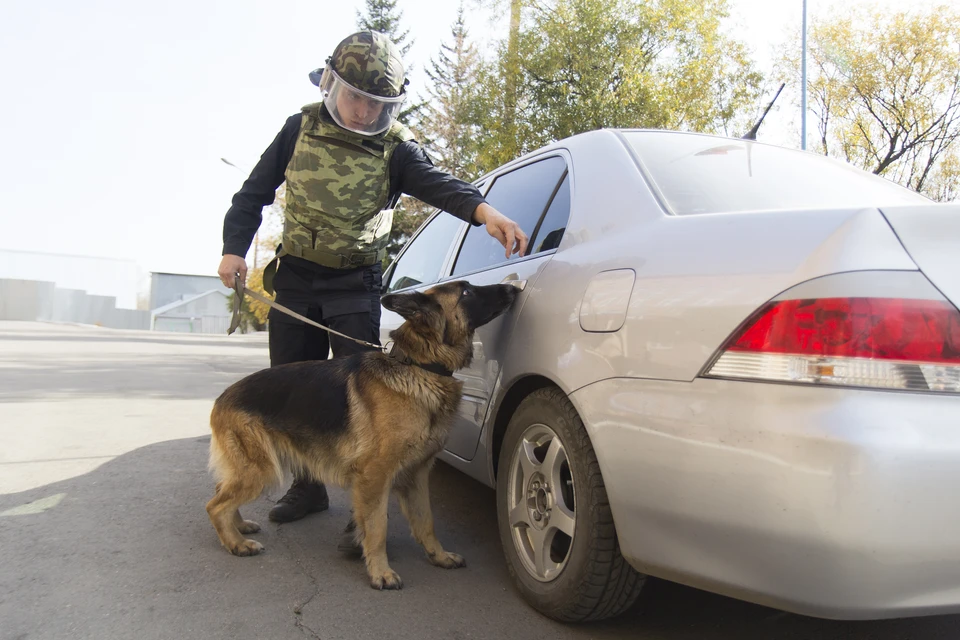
x: 338, y: 184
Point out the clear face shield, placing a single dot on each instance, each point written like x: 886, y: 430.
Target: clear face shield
x: 356, y: 110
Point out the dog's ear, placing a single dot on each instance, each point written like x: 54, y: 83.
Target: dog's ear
x: 405, y: 304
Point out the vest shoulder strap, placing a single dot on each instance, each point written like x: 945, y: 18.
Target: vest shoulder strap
x: 400, y: 133
x: 312, y: 109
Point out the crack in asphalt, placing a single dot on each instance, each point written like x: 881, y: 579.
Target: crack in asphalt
x: 299, y: 607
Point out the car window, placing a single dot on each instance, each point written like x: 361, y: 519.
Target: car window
x: 521, y: 195
x: 423, y: 258
x: 548, y: 234
x: 699, y: 174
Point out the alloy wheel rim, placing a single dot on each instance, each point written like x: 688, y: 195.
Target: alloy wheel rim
x: 541, y: 503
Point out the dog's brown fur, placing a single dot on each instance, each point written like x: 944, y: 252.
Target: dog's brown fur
x: 366, y: 422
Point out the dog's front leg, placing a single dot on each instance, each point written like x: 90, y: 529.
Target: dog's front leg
x: 371, y: 494
x: 415, y: 504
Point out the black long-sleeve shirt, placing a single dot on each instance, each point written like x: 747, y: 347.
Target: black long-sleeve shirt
x: 411, y: 172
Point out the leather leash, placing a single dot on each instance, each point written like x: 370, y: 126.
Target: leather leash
x: 432, y: 367
x: 238, y: 301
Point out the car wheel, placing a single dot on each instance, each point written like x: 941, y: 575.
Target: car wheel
x: 556, y: 526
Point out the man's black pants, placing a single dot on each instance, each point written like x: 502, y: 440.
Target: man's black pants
x: 346, y: 300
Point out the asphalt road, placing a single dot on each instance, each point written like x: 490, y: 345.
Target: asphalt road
x: 103, y: 533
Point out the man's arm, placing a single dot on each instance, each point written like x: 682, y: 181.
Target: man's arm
x: 413, y: 173
x: 259, y: 190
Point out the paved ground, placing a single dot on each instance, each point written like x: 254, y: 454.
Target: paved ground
x: 103, y: 532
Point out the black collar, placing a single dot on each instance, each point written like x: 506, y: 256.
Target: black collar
x: 432, y: 367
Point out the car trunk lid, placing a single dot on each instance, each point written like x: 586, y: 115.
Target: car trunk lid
x: 931, y: 235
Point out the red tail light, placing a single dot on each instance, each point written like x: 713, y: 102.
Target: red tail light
x: 871, y: 342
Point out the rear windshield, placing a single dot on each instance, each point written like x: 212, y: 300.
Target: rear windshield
x: 705, y: 174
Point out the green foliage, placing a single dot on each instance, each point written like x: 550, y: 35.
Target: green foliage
x: 589, y: 64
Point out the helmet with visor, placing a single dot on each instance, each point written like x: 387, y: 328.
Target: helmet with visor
x: 363, y: 83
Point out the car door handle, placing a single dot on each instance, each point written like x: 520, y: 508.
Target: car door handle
x: 512, y: 279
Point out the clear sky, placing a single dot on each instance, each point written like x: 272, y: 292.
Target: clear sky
x: 115, y: 114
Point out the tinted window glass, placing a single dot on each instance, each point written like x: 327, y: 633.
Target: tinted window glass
x: 555, y: 222
x: 422, y: 260
x: 703, y: 174
x: 520, y: 195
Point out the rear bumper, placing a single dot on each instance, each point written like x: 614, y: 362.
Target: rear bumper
x: 827, y: 502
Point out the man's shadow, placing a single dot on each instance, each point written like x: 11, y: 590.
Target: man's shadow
x: 127, y: 551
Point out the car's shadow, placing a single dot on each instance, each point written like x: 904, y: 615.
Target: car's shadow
x: 127, y: 551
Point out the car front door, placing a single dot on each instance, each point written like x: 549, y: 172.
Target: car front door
x: 537, y: 197
x: 420, y: 265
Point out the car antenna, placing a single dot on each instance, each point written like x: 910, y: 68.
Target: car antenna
x: 752, y: 134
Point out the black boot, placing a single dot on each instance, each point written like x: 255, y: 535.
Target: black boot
x: 302, y: 498
x: 348, y: 543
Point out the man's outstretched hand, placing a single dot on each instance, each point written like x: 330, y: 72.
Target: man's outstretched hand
x: 506, y: 231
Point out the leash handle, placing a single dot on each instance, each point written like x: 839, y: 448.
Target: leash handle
x: 238, y: 301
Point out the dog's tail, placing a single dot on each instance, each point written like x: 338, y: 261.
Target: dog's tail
x: 240, y: 446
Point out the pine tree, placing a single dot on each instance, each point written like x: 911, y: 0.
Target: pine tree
x: 448, y: 121
x: 383, y: 16
x: 447, y: 127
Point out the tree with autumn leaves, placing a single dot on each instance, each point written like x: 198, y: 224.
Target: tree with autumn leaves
x: 884, y: 92
x: 253, y: 313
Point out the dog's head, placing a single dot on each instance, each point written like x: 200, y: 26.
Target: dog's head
x: 440, y: 321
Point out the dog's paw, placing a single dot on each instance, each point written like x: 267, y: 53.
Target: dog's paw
x: 248, y: 526
x: 448, y: 560
x: 247, y: 548
x: 387, y: 580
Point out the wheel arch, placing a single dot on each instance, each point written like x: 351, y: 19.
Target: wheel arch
x: 519, y: 390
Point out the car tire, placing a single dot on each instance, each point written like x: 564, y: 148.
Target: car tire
x: 581, y: 577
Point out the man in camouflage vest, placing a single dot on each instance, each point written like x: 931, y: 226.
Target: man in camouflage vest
x: 345, y: 160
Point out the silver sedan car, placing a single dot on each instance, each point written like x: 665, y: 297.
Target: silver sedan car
x: 732, y: 365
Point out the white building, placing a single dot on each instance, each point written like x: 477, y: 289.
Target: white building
x: 188, y: 303
x: 170, y: 287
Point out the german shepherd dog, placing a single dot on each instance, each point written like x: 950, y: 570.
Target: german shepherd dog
x: 370, y: 422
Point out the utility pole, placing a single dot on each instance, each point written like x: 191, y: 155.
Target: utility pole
x: 803, y: 83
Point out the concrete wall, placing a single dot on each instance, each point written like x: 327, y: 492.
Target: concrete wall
x: 121, y: 279
x: 35, y: 300
x: 25, y: 299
